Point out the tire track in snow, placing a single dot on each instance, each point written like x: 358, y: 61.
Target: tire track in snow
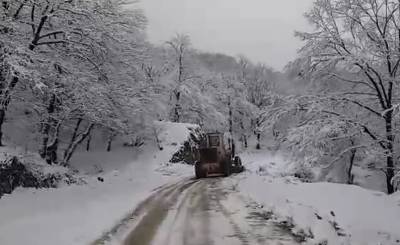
x: 198, y: 207
x: 260, y: 226
x: 242, y: 236
x: 138, y: 213
x: 183, y: 212
x: 145, y: 231
x: 197, y: 212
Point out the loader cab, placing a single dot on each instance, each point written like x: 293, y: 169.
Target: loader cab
x: 212, y: 148
x: 214, y: 140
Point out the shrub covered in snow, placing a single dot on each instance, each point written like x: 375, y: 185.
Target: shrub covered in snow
x: 14, y: 173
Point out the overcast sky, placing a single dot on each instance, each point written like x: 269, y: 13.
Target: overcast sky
x: 260, y: 29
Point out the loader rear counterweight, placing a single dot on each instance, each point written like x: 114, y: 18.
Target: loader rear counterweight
x: 215, y: 158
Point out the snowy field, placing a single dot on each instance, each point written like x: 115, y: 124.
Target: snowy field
x: 79, y: 214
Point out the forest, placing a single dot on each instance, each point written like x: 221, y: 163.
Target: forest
x: 73, y: 69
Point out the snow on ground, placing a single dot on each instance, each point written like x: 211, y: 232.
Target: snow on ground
x: 78, y: 214
x: 365, y: 217
x: 268, y: 164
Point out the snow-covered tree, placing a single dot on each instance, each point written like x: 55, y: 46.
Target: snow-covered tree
x: 180, y: 45
x: 353, y: 60
x: 85, y: 56
x: 260, y: 82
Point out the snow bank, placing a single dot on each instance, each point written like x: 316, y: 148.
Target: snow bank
x: 173, y: 134
x: 339, y: 214
x: 31, y: 160
x: 19, y: 168
x: 266, y: 163
x: 79, y: 214
x: 172, y: 137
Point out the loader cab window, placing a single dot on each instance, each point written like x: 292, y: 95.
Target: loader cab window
x: 214, y: 140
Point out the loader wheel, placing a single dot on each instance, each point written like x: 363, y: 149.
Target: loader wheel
x: 198, y: 171
x: 227, y: 168
x: 237, y: 165
x: 237, y: 161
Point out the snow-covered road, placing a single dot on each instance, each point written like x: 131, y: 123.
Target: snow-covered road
x: 199, y: 212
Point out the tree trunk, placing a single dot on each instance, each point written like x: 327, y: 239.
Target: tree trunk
x: 2, y: 110
x: 231, y: 143
x: 350, y: 176
x: 177, y: 93
x: 2, y: 117
x: 109, y: 142
x: 180, y: 72
x: 51, y: 154
x: 5, y: 101
x: 258, y: 146
x: 244, y: 137
x: 177, y: 116
x: 74, y: 135
x: 89, y: 139
x: 233, y: 150
x: 257, y: 132
x: 79, y: 139
x: 51, y: 149
x: 47, y: 127
x: 110, y: 139
x: 390, y: 152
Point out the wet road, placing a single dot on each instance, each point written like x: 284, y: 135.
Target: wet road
x: 200, y: 212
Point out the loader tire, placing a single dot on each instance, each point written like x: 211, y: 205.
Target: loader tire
x: 237, y: 161
x: 198, y: 171
x: 227, y: 168
x: 237, y: 165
